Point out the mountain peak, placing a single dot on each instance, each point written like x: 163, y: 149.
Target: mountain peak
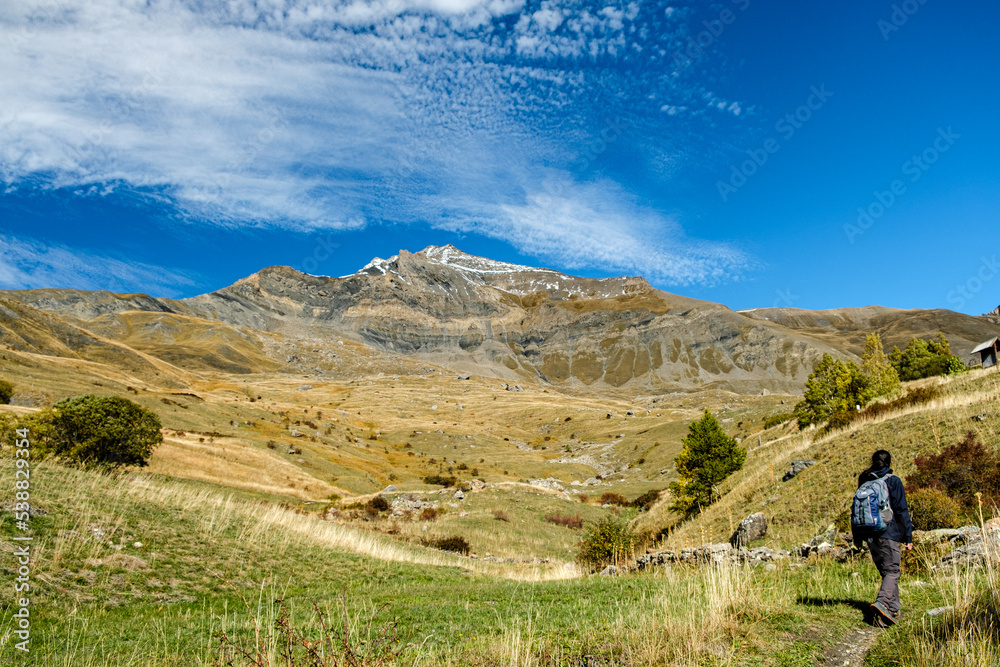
x: 449, y: 255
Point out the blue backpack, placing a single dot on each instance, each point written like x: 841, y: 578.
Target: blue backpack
x: 870, y: 512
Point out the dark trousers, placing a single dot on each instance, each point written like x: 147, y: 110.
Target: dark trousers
x: 885, y: 554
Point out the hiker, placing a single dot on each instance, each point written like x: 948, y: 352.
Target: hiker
x: 881, y: 518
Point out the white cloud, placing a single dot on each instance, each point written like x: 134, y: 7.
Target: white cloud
x: 335, y: 113
x: 27, y: 264
x: 597, y: 225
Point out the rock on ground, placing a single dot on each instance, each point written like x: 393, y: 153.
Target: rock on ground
x: 751, y: 529
x: 797, y: 467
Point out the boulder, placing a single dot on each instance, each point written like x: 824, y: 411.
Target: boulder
x: 797, y: 467
x: 460, y: 495
x: 390, y: 489
x: 751, y: 529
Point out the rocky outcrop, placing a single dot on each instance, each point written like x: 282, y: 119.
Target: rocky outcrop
x: 751, y: 529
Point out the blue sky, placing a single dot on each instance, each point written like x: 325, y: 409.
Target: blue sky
x: 753, y: 153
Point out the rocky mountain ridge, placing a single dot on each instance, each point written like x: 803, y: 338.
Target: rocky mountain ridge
x: 481, y: 316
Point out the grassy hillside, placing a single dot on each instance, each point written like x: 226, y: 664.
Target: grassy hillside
x: 138, y: 570
x: 805, y: 505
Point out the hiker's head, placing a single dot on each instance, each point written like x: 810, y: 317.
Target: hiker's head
x: 881, y: 459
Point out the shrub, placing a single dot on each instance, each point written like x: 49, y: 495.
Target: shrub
x: 6, y: 392
x: 775, y: 420
x: 428, y: 514
x: 379, y: 504
x: 960, y: 471
x: 611, y: 498
x: 501, y: 515
x: 96, y: 431
x: 565, y: 520
x: 931, y: 509
x: 915, y: 396
x: 840, y: 419
x: 439, y: 480
x: 708, y: 457
x: 646, y: 500
x: 455, y: 543
x: 583, y: 498
x: 610, y: 542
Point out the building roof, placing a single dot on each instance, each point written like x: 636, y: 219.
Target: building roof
x: 988, y: 344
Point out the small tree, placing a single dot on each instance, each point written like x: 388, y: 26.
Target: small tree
x: 6, y: 392
x: 835, y: 386
x: 882, y: 378
x: 101, y: 431
x: 708, y: 457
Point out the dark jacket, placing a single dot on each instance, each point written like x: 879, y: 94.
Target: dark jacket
x: 900, y: 529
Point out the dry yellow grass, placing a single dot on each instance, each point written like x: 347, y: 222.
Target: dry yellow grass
x: 229, y: 462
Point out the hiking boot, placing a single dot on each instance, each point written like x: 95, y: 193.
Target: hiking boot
x: 883, y: 615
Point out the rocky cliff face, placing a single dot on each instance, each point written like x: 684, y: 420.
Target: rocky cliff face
x: 494, y: 318
x: 491, y: 317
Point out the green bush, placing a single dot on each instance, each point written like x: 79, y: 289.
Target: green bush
x: 931, y: 509
x: 775, y: 420
x: 569, y: 521
x: 610, y: 542
x: 646, y: 500
x: 455, y: 543
x: 612, y: 498
x: 6, y: 392
x: 840, y: 419
x: 440, y: 480
x: 95, y: 431
x: 379, y: 504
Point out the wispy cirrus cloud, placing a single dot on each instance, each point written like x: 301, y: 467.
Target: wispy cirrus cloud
x: 28, y: 264
x: 334, y: 114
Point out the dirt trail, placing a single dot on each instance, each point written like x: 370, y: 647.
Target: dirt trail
x: 851, y: 650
